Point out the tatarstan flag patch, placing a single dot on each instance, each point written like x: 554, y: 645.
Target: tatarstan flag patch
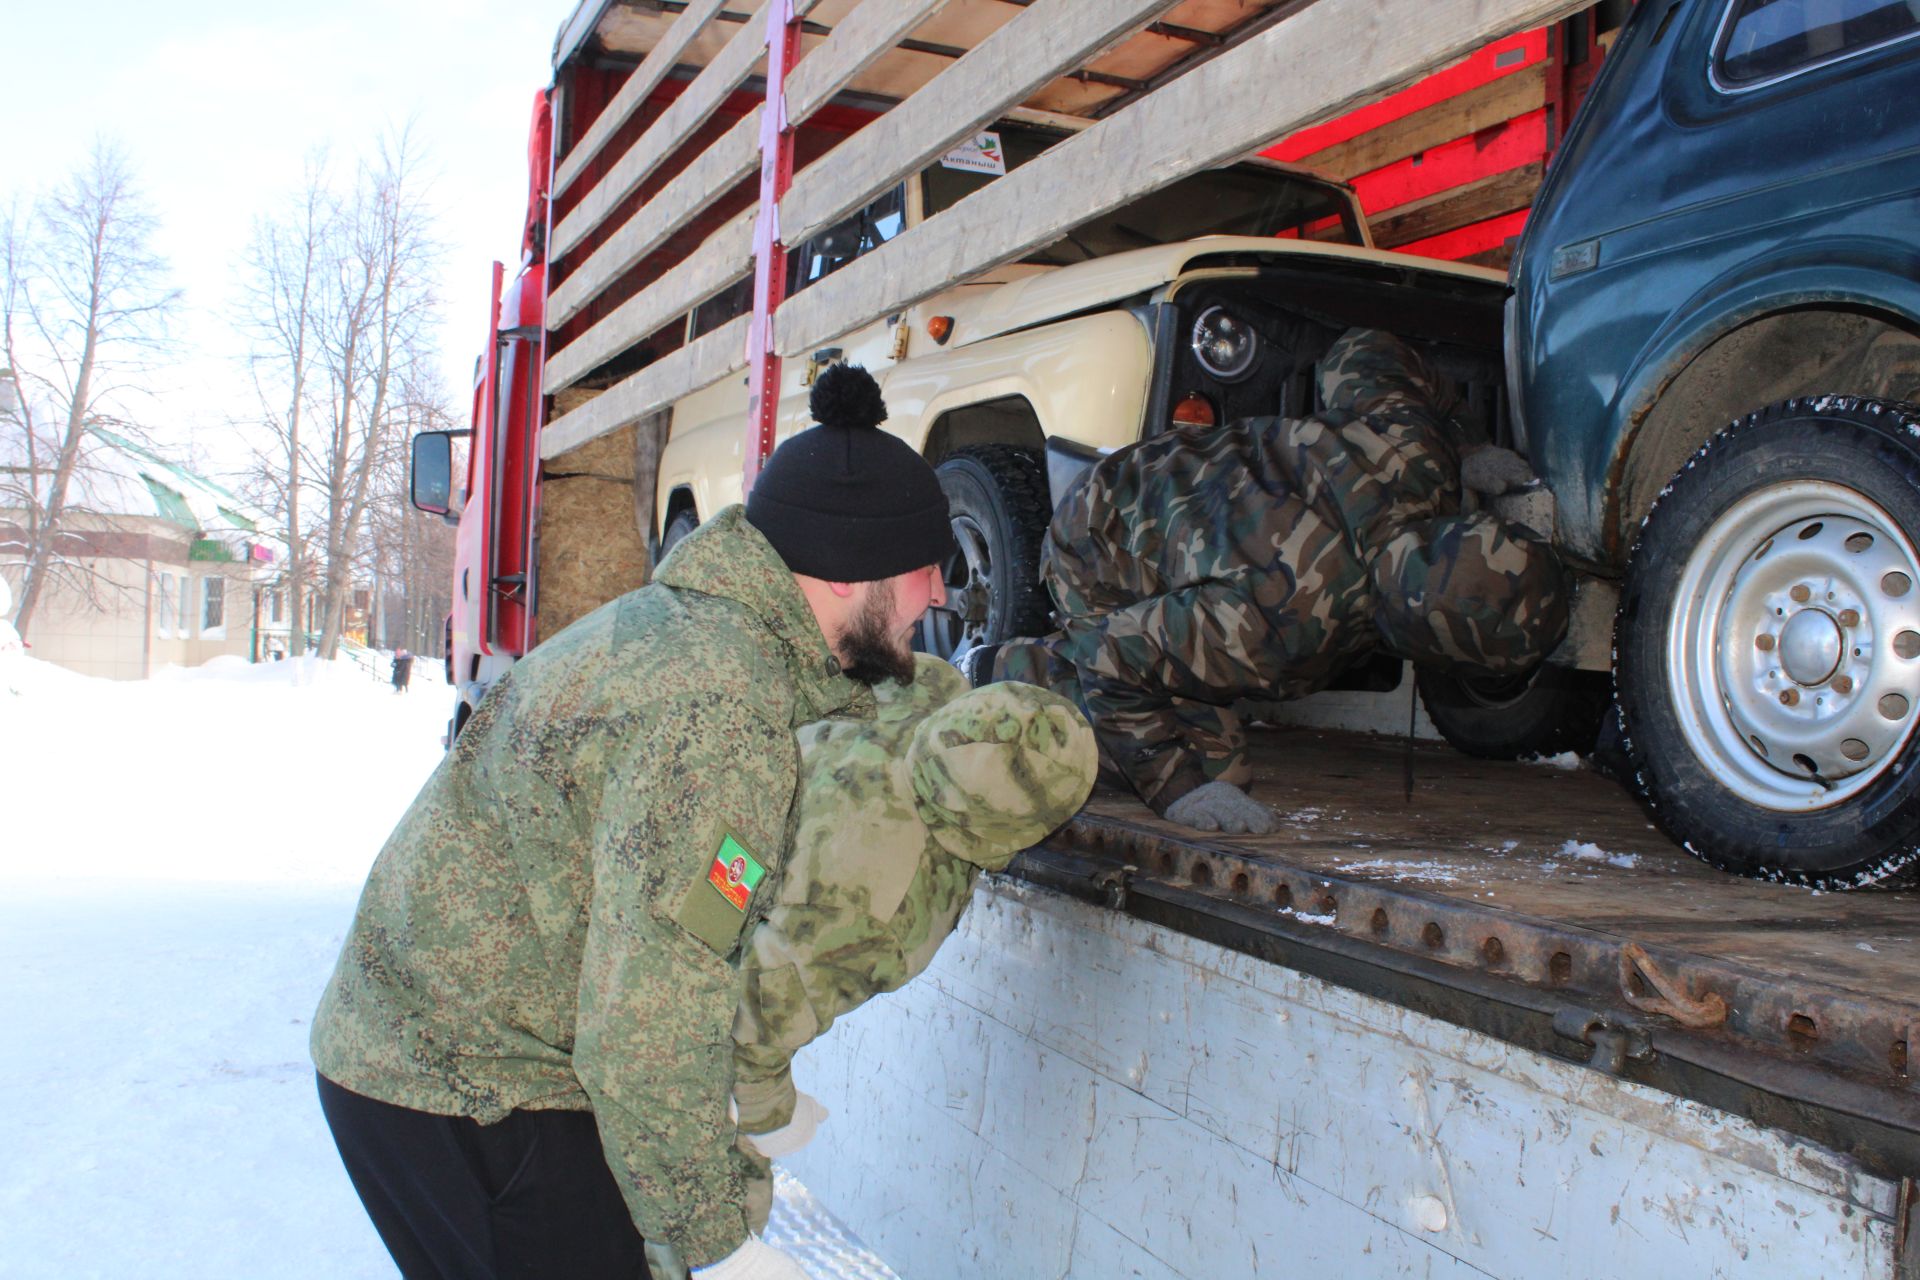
x: 735, y: 873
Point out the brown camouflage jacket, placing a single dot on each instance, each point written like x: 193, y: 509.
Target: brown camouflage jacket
x: 556, y: 922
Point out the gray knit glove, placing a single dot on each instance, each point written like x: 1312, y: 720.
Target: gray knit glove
x: 1492, y: 470
x: 1221, y: 806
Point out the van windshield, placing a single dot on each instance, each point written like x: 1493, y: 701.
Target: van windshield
x: 1245, y: 200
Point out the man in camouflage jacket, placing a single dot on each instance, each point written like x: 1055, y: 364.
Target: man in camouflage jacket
x: 897, y: 818
x: 1258, y: 559
x: 524, y: 1051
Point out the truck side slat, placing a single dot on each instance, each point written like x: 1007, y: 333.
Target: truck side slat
x: 732, y: 157
x: 1000, y: 72
x: 646, y: 77
x: 700, y: 363
x: 722, y: 258
x: 683, y: 115
x: 1366, y: 47
x: 862, y: 38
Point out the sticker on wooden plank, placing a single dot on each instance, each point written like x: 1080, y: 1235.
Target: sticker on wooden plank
x: 981, y: 154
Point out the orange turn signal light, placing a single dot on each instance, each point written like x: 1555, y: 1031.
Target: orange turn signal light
x: 940, y: 328
x: 1194, y: 410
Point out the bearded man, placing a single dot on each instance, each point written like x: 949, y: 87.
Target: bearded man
x: 524, y: 1053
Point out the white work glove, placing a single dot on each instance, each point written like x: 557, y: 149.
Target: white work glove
x: 808, y: 1116
x: 1492, y: 470
x: 1221, y: 806
x: 754, y: 1260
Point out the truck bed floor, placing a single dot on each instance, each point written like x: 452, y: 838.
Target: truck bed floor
x: 1547, y: 892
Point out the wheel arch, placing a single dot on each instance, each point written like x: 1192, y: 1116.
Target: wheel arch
x: 679, y: 498
x: 1806, y: 342
x: 1009, y: 418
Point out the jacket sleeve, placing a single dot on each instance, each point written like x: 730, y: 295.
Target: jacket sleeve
x: 658, y: 988
x: 775, y: 1020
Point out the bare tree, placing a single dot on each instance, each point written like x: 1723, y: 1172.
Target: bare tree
x: 371, y: 335
x: 286, y: 275
x: 411, y: 553
x: 83, y: 298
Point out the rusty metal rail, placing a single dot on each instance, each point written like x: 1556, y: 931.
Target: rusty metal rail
x: 1803, y: 1056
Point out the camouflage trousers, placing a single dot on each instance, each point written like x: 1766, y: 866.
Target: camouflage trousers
x: 1158, y: 666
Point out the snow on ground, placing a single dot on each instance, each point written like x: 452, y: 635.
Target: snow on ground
x: 1587, y: 851
x: 179, y: 858
x: 1429, y: 870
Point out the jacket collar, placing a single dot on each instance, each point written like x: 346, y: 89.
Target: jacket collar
x: 729, y: 558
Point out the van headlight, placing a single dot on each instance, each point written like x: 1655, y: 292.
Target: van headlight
x: 1224, y: 344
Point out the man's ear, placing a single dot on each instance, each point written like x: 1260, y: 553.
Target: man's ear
x: 842, y: 589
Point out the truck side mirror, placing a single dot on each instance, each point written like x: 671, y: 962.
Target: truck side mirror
x: 430, y: 477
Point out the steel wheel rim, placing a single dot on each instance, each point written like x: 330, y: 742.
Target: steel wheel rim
x: 964, y: 620
x: 1793, y: 650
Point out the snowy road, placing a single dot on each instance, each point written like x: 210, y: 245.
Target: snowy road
x: 178, y: 860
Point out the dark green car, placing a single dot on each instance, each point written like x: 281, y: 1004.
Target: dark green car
x: 1713, y: 340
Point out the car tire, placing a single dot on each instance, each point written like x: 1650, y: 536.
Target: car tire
x: 682, y: 523
x: 1768, y: 646
x: 1542, y: 713
x: 998, y: 501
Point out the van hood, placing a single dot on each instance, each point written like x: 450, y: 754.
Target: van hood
x: 1049, y: 294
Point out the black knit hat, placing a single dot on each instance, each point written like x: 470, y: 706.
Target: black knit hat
x: 846, y: 501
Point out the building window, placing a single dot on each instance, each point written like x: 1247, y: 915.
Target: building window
x: 165, y: 622
x: 1766, y: 39
x: 275, y: 602
x: 213, y: 613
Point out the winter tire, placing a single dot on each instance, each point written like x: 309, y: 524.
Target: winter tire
x: 1768, y: 646
x: 683, y: 523
x: 1542, y: 713
x: 997, y: 498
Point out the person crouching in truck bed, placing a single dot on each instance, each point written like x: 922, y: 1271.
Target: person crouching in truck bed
x: 523, y: 1051
x: 898, y: 816
x: 1260, y: 558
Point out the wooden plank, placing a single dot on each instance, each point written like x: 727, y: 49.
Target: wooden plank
x: 1492, y: 103
x: 963, y: 24
x: 868, y: 32
x: 733, y: 156
x: 700, y: 363
x: 724, y: 257
x: 1443, y: 211
x: 683, y: 115
x: 1222, y: 110
x: 645, y: 78
x: 1000, y: 72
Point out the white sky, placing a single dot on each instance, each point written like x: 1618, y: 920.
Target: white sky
x: 218, y: 104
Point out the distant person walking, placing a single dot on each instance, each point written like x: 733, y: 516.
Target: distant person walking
x: 402, y: 670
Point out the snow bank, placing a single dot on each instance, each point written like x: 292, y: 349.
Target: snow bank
x: 271, y: 773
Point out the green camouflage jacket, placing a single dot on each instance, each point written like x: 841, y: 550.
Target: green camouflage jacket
x: 898, y: 815
x: 556, y: 922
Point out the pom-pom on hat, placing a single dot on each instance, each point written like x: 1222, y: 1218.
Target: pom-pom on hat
x: 846, y: 501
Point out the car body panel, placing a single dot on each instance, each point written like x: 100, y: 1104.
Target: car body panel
x: 1703, y: 212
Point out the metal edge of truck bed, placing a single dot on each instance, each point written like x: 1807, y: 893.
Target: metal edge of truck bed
x: 1545, y: 985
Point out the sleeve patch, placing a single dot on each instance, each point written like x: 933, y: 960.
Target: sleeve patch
x: 714, y: 909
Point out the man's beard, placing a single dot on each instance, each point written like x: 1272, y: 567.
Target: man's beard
x: 869, y: 651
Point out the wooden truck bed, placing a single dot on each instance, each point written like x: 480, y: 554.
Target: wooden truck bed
x: 1539, y: 904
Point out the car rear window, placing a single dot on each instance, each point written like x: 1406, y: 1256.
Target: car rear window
x: 1764, y: 39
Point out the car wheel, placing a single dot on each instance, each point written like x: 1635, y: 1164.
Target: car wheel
x: 998, y: 501
x: 1540, y: 713
x: 684, y: 522
x: 1768, y: 646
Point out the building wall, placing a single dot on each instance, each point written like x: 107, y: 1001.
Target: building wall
x: 138, y: 626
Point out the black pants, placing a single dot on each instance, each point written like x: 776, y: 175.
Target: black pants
x: 530, y: 1198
